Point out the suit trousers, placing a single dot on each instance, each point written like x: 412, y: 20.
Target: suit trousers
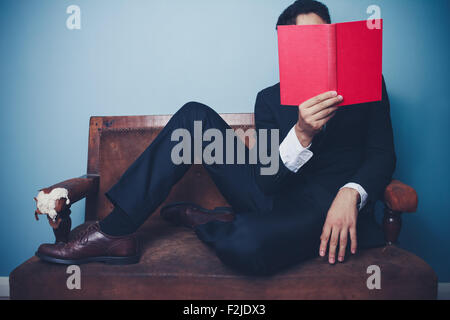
x: 267, y: 234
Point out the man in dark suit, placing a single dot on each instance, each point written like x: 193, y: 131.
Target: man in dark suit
x: 334, y: 164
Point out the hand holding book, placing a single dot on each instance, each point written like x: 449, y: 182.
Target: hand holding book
x: 314, y: 114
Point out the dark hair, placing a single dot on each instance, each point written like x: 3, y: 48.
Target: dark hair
x: 289, y: 16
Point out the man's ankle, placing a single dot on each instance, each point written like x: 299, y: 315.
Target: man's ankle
x: 117, y: 223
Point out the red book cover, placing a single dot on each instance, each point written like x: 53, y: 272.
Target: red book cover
x: 344, y: 57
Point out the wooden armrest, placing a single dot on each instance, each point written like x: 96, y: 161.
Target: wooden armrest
x: 77, y: 189
x: 400, y: 197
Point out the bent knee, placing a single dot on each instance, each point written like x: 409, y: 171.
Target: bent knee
x: 194, y: 109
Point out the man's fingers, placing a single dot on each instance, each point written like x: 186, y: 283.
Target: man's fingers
x: 354, y: 243
x: 342, y: 244
x: 333, y: 245
x: 325, y: 113
x: 321, y: 123
x: 324, y: 240
x: 313, y: 110
x: 318, y: 99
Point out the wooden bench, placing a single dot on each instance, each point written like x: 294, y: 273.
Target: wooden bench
x: 176, y: 265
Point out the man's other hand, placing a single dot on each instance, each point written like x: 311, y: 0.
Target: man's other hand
x: 314, y: 114
x: 340, y: 222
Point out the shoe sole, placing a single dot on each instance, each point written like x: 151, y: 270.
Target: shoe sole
x: 217, y: 211
x: 107, y: 260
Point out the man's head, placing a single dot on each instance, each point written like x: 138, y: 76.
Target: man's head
x: 304, y: 12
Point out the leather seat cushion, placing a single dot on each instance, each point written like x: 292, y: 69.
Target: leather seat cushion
x: 176, y: 265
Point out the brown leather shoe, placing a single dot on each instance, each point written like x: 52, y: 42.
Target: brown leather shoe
x: 92, y: 245
x: 191, y: 215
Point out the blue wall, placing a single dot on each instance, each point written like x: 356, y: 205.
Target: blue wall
x: 150, y: 57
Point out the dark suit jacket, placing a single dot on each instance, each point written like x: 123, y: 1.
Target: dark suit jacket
x: 356, y: 146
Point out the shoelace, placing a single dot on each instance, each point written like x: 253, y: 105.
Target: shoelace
x: 83, y: 237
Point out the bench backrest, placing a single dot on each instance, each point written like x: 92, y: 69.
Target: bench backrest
x: 115, y: 142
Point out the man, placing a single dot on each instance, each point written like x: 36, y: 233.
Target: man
x: 334, y: 164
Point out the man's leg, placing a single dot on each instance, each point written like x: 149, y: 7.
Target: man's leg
x: 145, y: 185
x: 266, y: 244
x: 148, y: 181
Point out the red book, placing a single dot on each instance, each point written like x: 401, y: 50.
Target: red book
x: 343, y: 57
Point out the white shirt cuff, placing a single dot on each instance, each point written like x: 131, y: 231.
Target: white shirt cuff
x: 292, y: 153
x: 362, y: 193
